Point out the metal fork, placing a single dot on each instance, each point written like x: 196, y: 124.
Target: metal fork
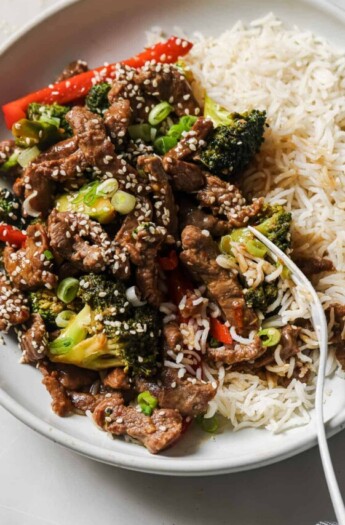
x: 320, y: 327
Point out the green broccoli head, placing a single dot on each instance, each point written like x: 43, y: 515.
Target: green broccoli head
x: 274, y: 222
x: 54, y: 114
x: 261, y: 297
x: 136, y: 341
x: 9, y: 207
x: 95, y: 342
x: 47, y: 304
x: 231, y: 147
x: 105, y: 295
x: 97, y: 98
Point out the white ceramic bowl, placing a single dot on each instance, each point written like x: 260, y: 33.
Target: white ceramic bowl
x: 108, y: 30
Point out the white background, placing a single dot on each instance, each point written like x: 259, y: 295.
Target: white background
x: 42, y: 483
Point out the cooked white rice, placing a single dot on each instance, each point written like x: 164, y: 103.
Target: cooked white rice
x: 299, y: 79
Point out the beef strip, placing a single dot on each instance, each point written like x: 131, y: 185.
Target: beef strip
x: 155, y: 432
x: 199, y: 256
x: 224, y: 199
x: 36, y: 189
x: 193, y: 140
x: 82, y: 401
x: 117, y: 379
x: 34, y: 341
x: 61, y: 404
x: 185, y: 176
x: 190, y: 214
x: 148, y: 241
x: 163, y: 197
x: 72, y: 69
x: 290, y: 347
x: 314, y: 265
x: 27, y: 267
x: 338, y: 339
x: 75, y: 378
x: 13, y: 305
x: 236, y: 352
x: 165, y: 82
x: 79, y: 240
x: 117, y: 119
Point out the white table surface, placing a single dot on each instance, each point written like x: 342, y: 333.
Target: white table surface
x: 41, y: 483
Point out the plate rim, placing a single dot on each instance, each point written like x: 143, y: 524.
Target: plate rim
x: 152, y: 464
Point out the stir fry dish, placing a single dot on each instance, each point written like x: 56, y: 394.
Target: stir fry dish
x: 129, y: 273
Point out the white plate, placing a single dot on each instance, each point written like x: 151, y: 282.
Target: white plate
x: 107, y: 31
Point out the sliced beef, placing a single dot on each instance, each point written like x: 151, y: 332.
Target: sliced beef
x: 74, y: 377
x: 172, y: 335
x: 79, y: 240
x: 188, y: 146
x: 155, y: 432
x: 185, y: 176
x: 117, y: 119
x: 61, y: 404
x: 28, y: 267
x: 314, y: 265
x: 190, y: 214
x: 236, y: 352
x: 199, y: 256
x: 37, y: 190
x: 290, y: 347
x: 117, y: 379
x: 82, y: 401
x: 165, y: 82
x: 13, y: 305
x: 225, y: 200
x: 34, y: 341
x: 72, y: 69
x: 148, y: 241
x: 163, y: 197
x: 190, y: 398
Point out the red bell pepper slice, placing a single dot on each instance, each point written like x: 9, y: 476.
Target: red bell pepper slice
x: 170, y: 262
x: 78, y: 86
x: 12, y: 235
x: 220, y: 332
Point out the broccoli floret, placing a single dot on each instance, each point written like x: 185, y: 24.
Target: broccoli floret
x: 108, y: 332
x: 261, y: 297
x: 275, y: 224
x: 54, y: 114
x: 97, y: 98
x: 230, y: 148
x: 105, y: 296
x: 47, y: 304
x: 9, y: 207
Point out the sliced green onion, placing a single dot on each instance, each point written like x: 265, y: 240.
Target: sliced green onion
x: 256, y: 248
x: 269, y: 336
x: 107, y: 188
x: 123, y: 202
x: 185, y: 124
x: 209, y: 424
x: 140, y: 131
x: 11, y: 162
x: 147, y: 402
x: 68, y: 289
x: 90, y: 195
x: 164, y: 144
x: 28, y: 155
x: 159, y: 113
x: 64, y: 317
x: 48, y: 255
